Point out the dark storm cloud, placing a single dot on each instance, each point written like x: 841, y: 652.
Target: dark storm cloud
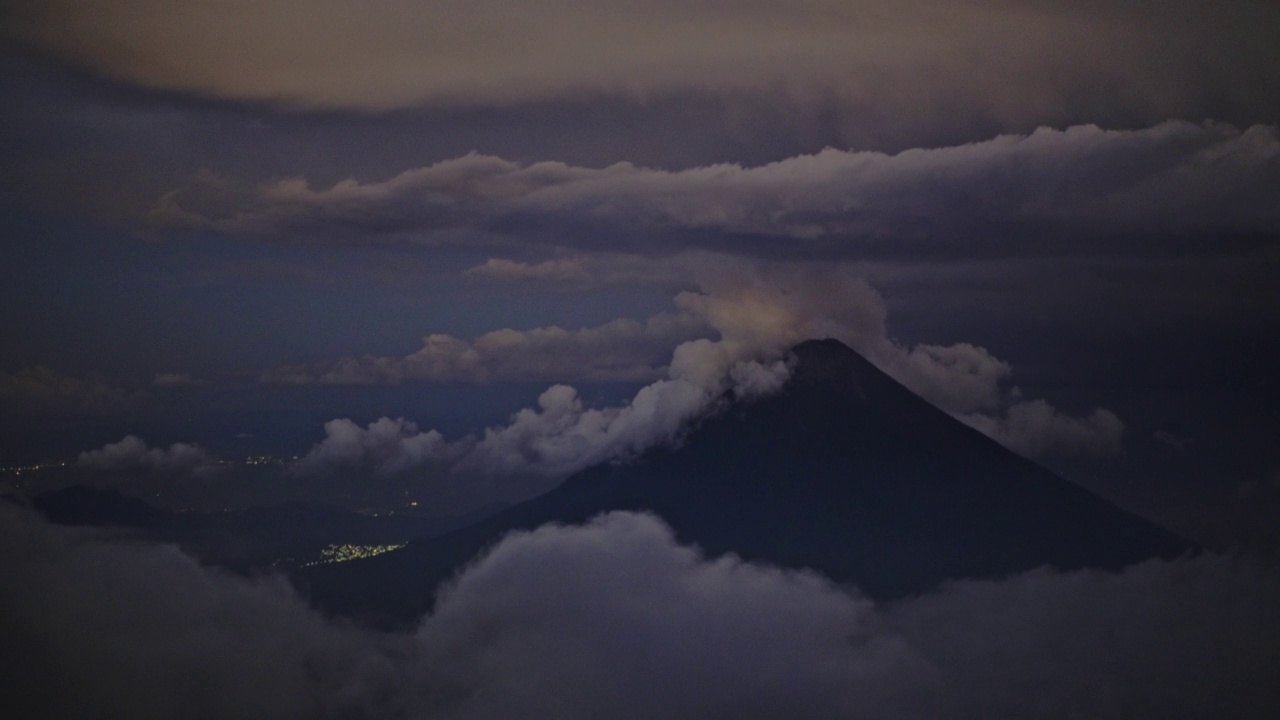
x: 1174, y: 189
x: 1003, y: 59
x: 615, y: 619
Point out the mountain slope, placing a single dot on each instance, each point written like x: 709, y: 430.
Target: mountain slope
x: 843, y: 471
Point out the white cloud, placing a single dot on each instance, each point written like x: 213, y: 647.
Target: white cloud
x: 385, y: 446
x: 958, y: 377
x: 562, y: 436
x: 1037, y: 429
x: 133, y: 453
x: 550, y: 442
x: 587, y: 621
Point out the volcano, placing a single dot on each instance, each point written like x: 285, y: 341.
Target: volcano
x: 843, y: 471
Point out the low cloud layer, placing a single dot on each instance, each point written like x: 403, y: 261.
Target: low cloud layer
x: 562, y: 434
x: 753, y: 316
x: 615, y: 619
x: 1172, y: 189
x: 540, y: 446
x: 619, y: 350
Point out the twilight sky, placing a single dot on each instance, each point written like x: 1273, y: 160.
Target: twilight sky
x: 453, y: 247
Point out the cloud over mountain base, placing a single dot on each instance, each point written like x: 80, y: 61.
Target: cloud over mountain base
x: 616, y: 619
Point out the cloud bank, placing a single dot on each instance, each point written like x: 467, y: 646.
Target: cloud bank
x: 1008, y: 60
x: 1173, y: 189
x: 616, y: 619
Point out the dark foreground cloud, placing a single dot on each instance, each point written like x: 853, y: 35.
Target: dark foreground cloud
x: 96, y: 627
x: 1175, y: 189
x: 616, y: 619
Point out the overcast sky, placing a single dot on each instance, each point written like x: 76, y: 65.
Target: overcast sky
x: 235, y: 227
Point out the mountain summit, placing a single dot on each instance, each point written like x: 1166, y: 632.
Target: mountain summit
x: 843, y: 471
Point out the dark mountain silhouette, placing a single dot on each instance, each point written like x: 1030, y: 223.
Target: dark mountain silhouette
x: 844, y: 471
x: 93, y: 506
x: 292, y: 534
x: 242, y: 540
